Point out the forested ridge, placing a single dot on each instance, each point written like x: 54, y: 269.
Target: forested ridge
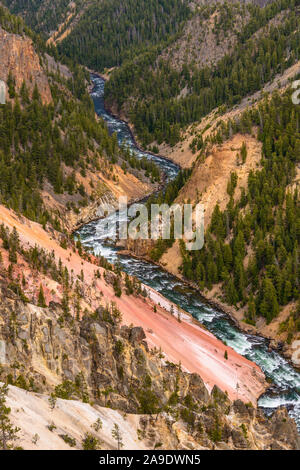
x: 112, y: 30
x: 15, y: 24
x: 42, y: 143
x: 252, y: 248
x: 43, y: 16
x: 37, y: 140
x: 150, y: 89
x: 106, y: 32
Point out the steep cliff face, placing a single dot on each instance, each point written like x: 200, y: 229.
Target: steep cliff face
x: 74, y: 419
x: 139, y: 248
x: 18, y: 57
x: 43, y: 16
x: 102, y: 360
x: 42, y: 260
x: 79, y: 158
x: 104, y: 195
x: 98, y: 362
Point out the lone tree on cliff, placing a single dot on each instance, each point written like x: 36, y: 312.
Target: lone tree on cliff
x: 41, y: 298
x: 8, y: 433
x: 116, y: 434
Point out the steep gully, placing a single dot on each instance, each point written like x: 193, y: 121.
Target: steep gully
x: 285, y: 388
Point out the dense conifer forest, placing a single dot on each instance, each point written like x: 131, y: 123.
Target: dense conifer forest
x: 13, y: 24
x: 42, y: 16
x: 252, y: 248
x: 106, y: 32
x: 111, y: 31
x: 160, y: 111
x: 38, y: 141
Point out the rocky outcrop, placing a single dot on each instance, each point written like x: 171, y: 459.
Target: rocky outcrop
x: 138, y: 431
x: 139, y: 248
x: 282, y: 429
x: 115, y: 361
x: 105, y: 205
x: 18, y: 56
x: 98, y: 361
x: 137, y: 335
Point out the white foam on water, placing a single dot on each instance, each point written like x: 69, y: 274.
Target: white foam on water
x: 255, y: 348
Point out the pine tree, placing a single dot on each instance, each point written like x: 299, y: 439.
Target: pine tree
x: 41, y: 298
x: 269, y: 307
x: 8, y: 433
x: 52, y: 401
x: 231, y: 293
x: 11, y: 84
x: 251, y: 314
x: 36, y: 94
x: 116, y: 434
x: 24, y: 94
x: 90, y: 442
x: 244, y: 152
x: 12, y: 255
x: 65, y: 303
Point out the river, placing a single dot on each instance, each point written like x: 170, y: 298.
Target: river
x: 285, y: 389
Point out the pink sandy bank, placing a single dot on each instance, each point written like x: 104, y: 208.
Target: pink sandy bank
x: 184, y: 342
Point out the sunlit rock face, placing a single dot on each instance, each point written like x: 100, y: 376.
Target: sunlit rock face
x: 18, y: 57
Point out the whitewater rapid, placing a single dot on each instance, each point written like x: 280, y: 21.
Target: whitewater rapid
x: 285, y: 388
